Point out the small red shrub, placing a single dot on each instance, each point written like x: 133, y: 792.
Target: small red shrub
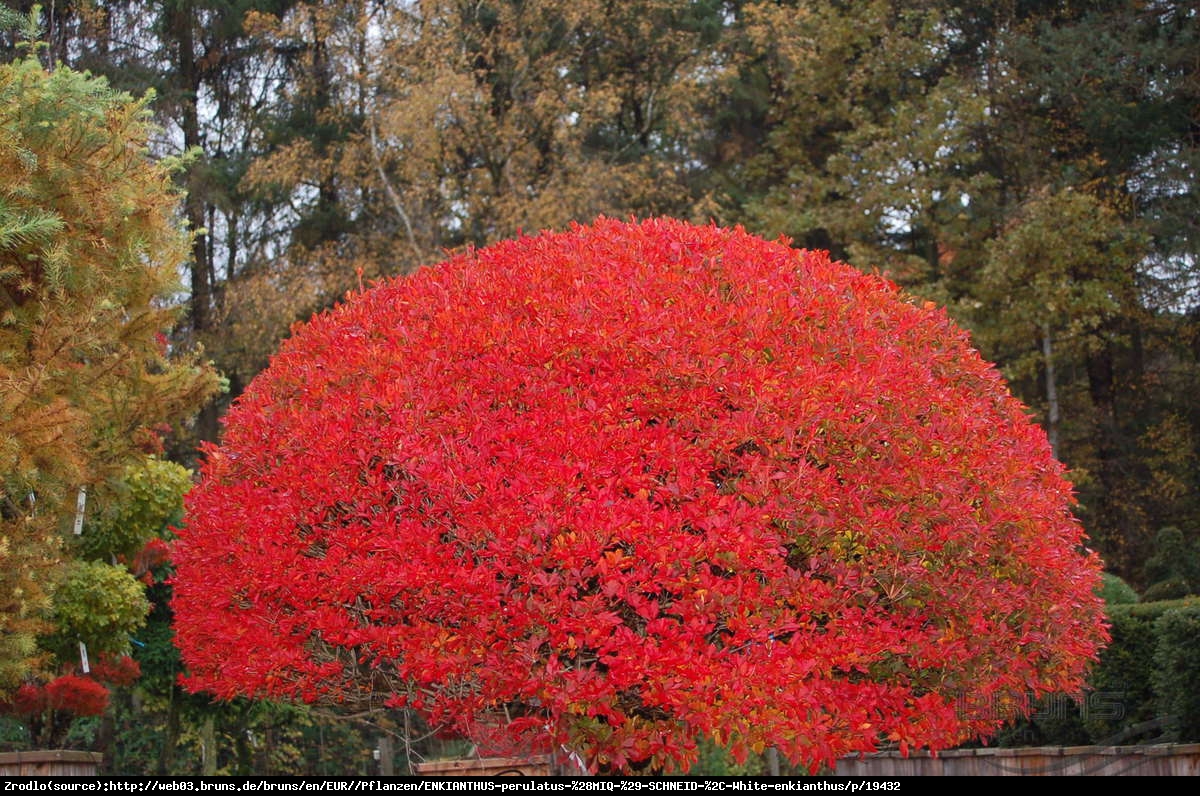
x: 73, y: 694
x: 631, y: 484
x: 155, y: 554
x: 29, y: 700
x: 117, y: 671
x: 79, y: 696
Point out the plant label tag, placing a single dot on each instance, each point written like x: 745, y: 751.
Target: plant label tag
x: 80, y: 503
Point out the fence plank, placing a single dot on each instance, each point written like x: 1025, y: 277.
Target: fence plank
x: 51, y: 762
x: 1180, y: 760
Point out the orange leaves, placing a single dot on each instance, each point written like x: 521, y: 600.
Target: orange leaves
x: 574, y: 485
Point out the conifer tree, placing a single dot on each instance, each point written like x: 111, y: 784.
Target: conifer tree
x: 90, y: 251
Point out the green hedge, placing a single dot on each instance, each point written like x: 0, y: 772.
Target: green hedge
x: 1143, y: 689
x: 1176, y: 674
x: 1115, y: 591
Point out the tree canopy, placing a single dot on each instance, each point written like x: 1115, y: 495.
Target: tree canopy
x: 90, y: 247
x: 633, y: 485
x: 1028, y: 164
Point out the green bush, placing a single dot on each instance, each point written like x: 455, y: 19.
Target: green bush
x: 1177, y: 671
x: 99, y: 604
x: 1141, y: 690
x: 1174, y: 569
x: 1115, y: 591
x: 1172, y: 589
x: 1055, y: 720
x: 147, y: 498
x: 1124, y: 678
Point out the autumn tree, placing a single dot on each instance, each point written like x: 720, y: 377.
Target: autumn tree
x: 630, y: 485
x: 219, y: 94
x: 412, y: 128
x: 1127, y: 137
x: 915, y: 138
x: 955, y: 145
x: 1054, y: 276
x: 90, y: 248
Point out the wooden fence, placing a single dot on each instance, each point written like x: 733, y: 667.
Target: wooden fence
x: 60, y: 762
x: 532, y: 766
x: 1151, y: 760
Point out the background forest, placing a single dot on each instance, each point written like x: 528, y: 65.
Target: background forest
x: 1030, y: 164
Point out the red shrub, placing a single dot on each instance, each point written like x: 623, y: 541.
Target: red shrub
x: 155, y: 554
x: 69, y: 693
x: 79, y: 696
x: 29, y: 700
x: 116, y: 671
x: 635, y: 483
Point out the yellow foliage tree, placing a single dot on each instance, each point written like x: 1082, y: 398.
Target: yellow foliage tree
x: 415, y: 128
x: 90, y: 252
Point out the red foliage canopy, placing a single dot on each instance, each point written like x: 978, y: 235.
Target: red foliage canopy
x: 116, y: 670
x: 69, y: 693
x: 635, y: 483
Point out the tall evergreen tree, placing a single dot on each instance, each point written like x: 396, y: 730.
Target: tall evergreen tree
x: 89, y: 254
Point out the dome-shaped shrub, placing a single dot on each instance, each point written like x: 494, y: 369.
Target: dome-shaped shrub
x: 631, y: 484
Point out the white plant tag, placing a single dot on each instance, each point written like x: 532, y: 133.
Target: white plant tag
x: 80, y: 504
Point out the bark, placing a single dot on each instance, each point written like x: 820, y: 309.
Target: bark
x: 1052, y: 407
x: 208, y: 737
x: 387, y: 756
x: 1108, y: 514
x: 194, y: 209
x: 166, y: 756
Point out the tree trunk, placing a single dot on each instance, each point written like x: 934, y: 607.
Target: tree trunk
x: 188, y: 84
x: 387, y: 756
x: 166, y: 756
x: 1107, y: 525
x: 182, y: 34
x: 208, y: 740
x: 1052, y: 408
x: 105, y: 736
